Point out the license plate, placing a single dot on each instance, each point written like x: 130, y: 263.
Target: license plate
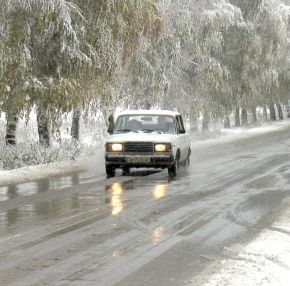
x: 138, y: 160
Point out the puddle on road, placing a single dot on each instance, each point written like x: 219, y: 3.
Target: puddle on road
x: 95, y: 202
x: 116, y: 198
x: 56, y: 183
x: 44, y: 185
x: 160, y: 191
x: 88, y: 204
x: 120, y: 193
x: 38, y: 212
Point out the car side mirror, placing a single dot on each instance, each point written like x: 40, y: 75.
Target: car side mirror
x: 111, y: 126
x: 110, y: 129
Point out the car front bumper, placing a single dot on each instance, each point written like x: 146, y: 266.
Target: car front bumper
x: 130, y: 160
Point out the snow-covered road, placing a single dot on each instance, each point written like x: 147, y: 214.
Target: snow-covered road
x: 223, y: 221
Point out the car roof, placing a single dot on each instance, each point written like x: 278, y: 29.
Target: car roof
x: 149, y: 112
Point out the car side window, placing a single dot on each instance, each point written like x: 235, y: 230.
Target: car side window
x: 180, y: 125
x: 176, y: 123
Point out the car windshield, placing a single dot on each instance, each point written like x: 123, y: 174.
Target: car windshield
x: 145, y: 123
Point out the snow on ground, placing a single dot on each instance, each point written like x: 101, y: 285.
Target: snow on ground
x: 265, y: 261
x: 31, y: 173
x: 238, y: 133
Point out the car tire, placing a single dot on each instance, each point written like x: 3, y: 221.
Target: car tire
x: 126, y: 171
x: 172, y: 170
x: 110, y: 171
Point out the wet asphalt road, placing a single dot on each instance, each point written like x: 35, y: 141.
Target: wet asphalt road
x: 143, y: 229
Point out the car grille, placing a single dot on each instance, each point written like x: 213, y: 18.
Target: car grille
x: 139, y: 147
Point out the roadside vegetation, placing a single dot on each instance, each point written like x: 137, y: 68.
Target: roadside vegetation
x: 215, y: 60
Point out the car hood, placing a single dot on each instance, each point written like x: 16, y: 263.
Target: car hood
x: 141, y: 137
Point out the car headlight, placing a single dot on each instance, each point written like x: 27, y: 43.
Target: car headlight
x: 162, y: 147
x: 115, y: 147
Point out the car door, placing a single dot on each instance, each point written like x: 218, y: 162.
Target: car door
x: 183, y: 138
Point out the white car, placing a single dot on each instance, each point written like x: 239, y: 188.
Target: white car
x: 147, y: 138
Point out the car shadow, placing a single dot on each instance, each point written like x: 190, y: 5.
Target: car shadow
x: 143, y: 172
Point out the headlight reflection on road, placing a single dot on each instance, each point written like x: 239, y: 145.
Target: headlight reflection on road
x: 160, y: 191
x: 116, y: 253
x: 157, y: 234
x: 117, y: 196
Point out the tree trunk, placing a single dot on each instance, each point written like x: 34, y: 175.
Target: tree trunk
x: 237, y: 117
x: 254, y: 114
x: 227, y: 122
x: 12, y: 119
x: 147, y: 105
x: 205, y: 122
x: 193, y: 123
x: 265, y: 114
x: 288, y: 111
x: 75, y: 128
x: 244, y: 116
x: 280, y: 111
x: 57, y: 134
x: 272, y: 112
x: 42, y: 125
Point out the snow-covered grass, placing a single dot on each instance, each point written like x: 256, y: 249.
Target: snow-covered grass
x: 28, y: 152
x: 93, y: 162
x: 22, y: 155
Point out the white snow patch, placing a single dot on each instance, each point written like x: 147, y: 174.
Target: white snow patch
x: 235, y: 134
x: 264, y: 261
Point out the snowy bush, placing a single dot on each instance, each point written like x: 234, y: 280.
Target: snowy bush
x: 63, y: 147
x: 34, y: 154
x: 22, y: 155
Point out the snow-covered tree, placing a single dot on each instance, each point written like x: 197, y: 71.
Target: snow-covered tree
x: 66, y: 49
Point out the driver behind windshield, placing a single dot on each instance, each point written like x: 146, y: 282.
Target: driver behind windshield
x: 161, y: 123
x: 164, y: 125
x: 154, y: 123
x: 134, y: 125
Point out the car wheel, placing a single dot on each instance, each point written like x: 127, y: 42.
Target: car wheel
x: 172, y: 170
x: 110, y: 171
x: 126, y: 171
